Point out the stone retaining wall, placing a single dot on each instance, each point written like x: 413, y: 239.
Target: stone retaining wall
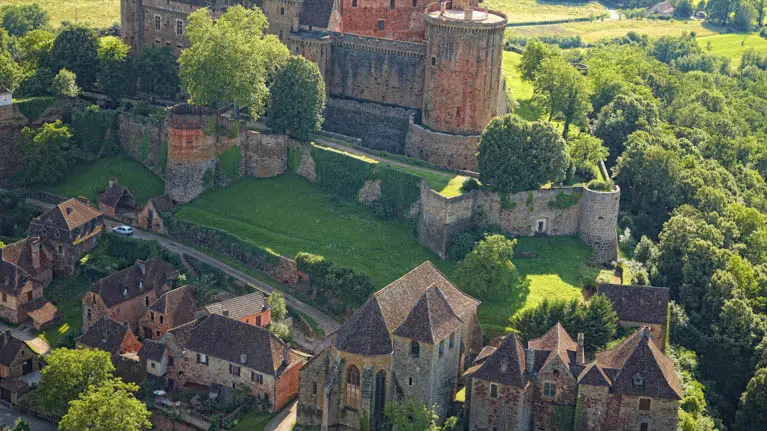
x: 442, y: 149
x: 382, y: 127
x: 142, y: 139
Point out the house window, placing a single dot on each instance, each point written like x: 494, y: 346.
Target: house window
x: 380, y: 25
x: 57, y: 233
x: 415, y: 349
x: 410, y: 381
x: 541, y: 227
x: 179, y: 27
x: 352, y: 393
x: 5, y: 299
x: 314, y: 388
x: 354, y: 3
x: 256, y: 377
x: 433, y: 61
x: 89, y: 310
x: 202, y: 358
x: 493, y: 390
x: 162, y: 319
x: 644, y: 404
x: 638, y: 381
x: 61, y: 250
x: 151, y: 316
x: 452, y: 341
x: 146, y: 300
x: 151, y: 364
x: 29, y: 296
x: 280, y: 34
x: 549, y: 390
x: 415, y: 3
x: 157, y: 334
x: 258, y: 320
x: 644, y: 426
x: 282, y: 11
x: 391, y: 4
x: 157, y: 22
x: 441, y: 348
x: 234, y: 370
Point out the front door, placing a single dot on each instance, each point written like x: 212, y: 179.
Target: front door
x: 26, y: 367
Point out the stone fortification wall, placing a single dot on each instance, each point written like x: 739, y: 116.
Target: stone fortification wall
x: 378, y: 70
x: 265, y: 155
x: 525, y: 210
x: 191, y: 155
x: 381, y: 127
x: 598, y: 221
x: 441, y: 217
x: 442, y: 149
x: 143, y: 138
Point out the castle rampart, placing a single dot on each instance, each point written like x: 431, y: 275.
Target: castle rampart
x: 597, y: 222
x: 442, y: 149
x: 383, y: 127
x: 191, y: 153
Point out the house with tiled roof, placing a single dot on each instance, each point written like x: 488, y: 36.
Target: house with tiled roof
x: 153, y: 355
x: 150, y: 217
x: 409, y: 340
x: 116, y: 199
x: 550, y: 385
x: 640, y: 306
x: 70, y: 229
x: 173, y: 308
x: 113, y: 337
x: 252, y: 308
x: 21, y: 298
x: 126, y: 295
x: 17, y: 359
x: 219, y: 352
x: 33, y: 257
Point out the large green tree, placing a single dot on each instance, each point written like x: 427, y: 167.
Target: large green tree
x: 753, y: 403
x: 157, y: 71
x: 532, y: 59
x: 278, y: 306
x: 47, y: 153
x: 487, y: 271
x: 230, y: 59
x: 65, y: 84
x: 69, y: 373
x: 76, y: 48
x: 412, y: 415
x: 515, y: 155
x: 10, y: 72
x: 109, y: 406
x: 18, y: 20
x: 114, y: 67
x: 622, y: 117
x: 298, y: 99
x: 562, y: 88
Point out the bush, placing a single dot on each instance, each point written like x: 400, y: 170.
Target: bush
x: 349, y: 287
x: 488, y: 271
x: 600, y: 186
x: 469, y: 184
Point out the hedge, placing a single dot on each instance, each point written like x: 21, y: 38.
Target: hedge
x: 348, y: 287
x: 34, y: 107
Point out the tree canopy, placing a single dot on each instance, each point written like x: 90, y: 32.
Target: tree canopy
x: 76, y: 48
x: 114, y: 66
x: 47, y: 153
x: 109, y: 406
x: 20, y: 19
x: 297, y: 99
x: 487, y: 271
x: 157, y: 71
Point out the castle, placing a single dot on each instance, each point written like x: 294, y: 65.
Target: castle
x: 405, y: 76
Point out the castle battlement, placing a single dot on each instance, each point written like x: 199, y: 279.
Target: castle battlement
x: 377, y: 44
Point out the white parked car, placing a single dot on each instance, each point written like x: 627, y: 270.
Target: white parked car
x: 123, y: 230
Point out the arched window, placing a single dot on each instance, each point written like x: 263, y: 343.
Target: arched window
x: 352, y: 393
x: 415, y: 349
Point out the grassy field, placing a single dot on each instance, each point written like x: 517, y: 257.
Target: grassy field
x: 596, y: 30
x: 66, y: 294
x: 90, y: 179
x: 288, y: 214
x: 733, y: 45
x: 522, y: 91
x: 253, y: 421
x: 536, y: 11
x: 98, y: 13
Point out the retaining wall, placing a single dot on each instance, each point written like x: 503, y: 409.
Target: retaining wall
x: 381, y: 127
x: 442, y: 149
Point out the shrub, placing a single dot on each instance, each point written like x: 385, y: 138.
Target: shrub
x: 600, y: 186
x: 469, y: 184
x: 564, y: 200
x: 488, y: 271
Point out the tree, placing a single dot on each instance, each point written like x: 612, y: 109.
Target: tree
x: 563, y: 88
x: 277, y: 305
x: 157, y: 71
x: 412, y: 415
x: 719, y: 11
x: 683, y: 10
x: 752, y: 413
x: 622, y: 117
x: 47, y: 153
x: 109, y: 406
x: 597, y: 321
x: 487, y: 271
x: 586, y: 152
x: 532, y: 58
x: 21, y: 425
x: 18, y: 20
x: 36, y: 48
x: 10, y: 72
x: 280, y: 330
x: 515, y: 155
x: 230, y: 59
x: 76, y: 48
x: 745, y: 14
x: 65, y: 84
x: 298, y: 99
x: 113, y: 67
x: 69, y: 373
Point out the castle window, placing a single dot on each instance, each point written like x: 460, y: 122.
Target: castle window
x: 433, y: 61
x: 391, y: 4
x: 151, y: 316
x: 157, y: 334
x: 381, y: 25
x: 282, y: 11
x: 452, y: 341
x: 314, y: 388
x: 549, y: 390
x: 415, y: 349
x: 644, y: 426
x: 61, y: 250
x: 146, y: 300
x: 234, y: 370
x: 352, y: 392
x: 90, y: 315
x: 644, y: 404
x: 179, y: 27
x: 157, y: 41
x: 442, y: 348
x: 415, y: 3
x: 280, y: 34
x: 493, y: 390
x: 157, y: 22
x: 354, y: 3
x: 162, y: 319
x: 410, y: 381
x: 57, y: 233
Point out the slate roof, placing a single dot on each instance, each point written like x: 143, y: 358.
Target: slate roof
x: 228, y: 339
x: 241, y: 306
x: 639, y: 356
x: 70, y: 214
x: 20, y: 254
x: 113, y: 193
x: 152, y: 350
x: 368, y: 331
x: 178, y: 306
x: 12, y: 278
x: 162, y: 203
x: 132, y: 281
x: 9, y: 350
x: 505, y: 366
x: 642, y: 304
x: 554, y: 343
x: 431, y: 320
x: 316, y: 13
x: 106, y: 334
x: 484, y: 354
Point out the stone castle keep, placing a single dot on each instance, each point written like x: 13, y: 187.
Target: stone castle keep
x: 405, y: 76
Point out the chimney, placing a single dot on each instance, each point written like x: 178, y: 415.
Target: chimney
x: 580, y: 353
x: 530, y: 361
x: 112, y: 182
x: 6, y: 337
x: 35, y: 246
x: 646, y: 332
x: 286, y: 355
x: 442, y: 7
x: 243, y: 358
x: 141, y: 266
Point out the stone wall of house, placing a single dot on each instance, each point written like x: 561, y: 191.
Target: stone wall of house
x: 311, y: 389
x: 592, y: 401
x: 132, y: 310
x: 623, y: 413
x: 382, y: 127
x: 550, y: 413
x: 442, y: 149
x: 265, y: 155
x: 507, y: 412
x: 286, y: 387
x: 368, y: 366
x: 142, y: 139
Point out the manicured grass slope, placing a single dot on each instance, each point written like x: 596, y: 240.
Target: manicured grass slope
x: 98, y: 13
x: 596, y: 30
x: 522, y: 91
x: 288, y: 214
x: 733, y: 45
x: 253, y: 421
x: 90, y: 179
x: 536, y: 11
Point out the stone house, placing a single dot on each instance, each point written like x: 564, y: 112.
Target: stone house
x: 16, y: 360
x: 252, y: 308
x: 70, y: 229
x: 640, y: 306
x: 150, y: 217
x: 550, y: 385
x: 126, y: 295
x: 154, y: 355
x: 116, y: 200
x: 409, y: 340
x: 110, y: 336
x: 173, y: 308
x: 33, y: 257
x: 21, y: 297
x: 223, y: 352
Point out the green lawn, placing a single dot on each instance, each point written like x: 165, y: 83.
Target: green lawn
x: 66, y: 294
x: 98, y: 13
x: 596, y: 30
x: 253, y: 421
x: 522, y: 91
x: 733, y: 45
x: 288, y: 214
x: 90, y: 179
x: 536, y: 11
x: 557, y: 272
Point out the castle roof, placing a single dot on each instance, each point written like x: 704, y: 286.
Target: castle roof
x: 505, y: 366
x: 133, y: 281
x: 368, y: 331
x: 637, y: 367
x: 69, y: 214
x: 643, y: 304
x: 240, y: 307
x: 106, y: 334
x: 554, y: 343
x: 178, y: 305
x: 316, y: 13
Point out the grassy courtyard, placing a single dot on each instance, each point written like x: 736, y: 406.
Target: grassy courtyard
x: 90, y: 179
x: 98, y: 13
x: 521, y: 91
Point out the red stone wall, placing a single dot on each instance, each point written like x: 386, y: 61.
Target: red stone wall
x: 266, y: 318
x: 505, y: 412
x: 403, y: 22
x: 190, y: 145
x: 287, y: 387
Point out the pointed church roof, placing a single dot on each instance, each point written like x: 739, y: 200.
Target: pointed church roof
x: 365, y: 333
x: 431, y: 320
x: 506, y: 365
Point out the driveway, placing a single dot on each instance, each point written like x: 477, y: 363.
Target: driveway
x: 8, y: 417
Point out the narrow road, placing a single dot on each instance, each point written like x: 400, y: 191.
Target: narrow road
x: 8, y: 417
x: 285, y: 420
x: 327, y: 323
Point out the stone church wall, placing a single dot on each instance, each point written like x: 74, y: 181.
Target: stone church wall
x: 381, y: 127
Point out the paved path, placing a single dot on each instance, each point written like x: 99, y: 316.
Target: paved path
x: 8, y: 416
x: 327, y: 323
x: 285, y: 420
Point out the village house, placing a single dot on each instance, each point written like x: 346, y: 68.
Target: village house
x: 17, y: 359
x: 70, y: 229
x: 33, y: 257
x: 173, y: 308
x: 153, y: 355
x: 112, y: 337
x: 150, y: 217
x: 116, y: 200
x: 640, y: 306
x: 408, y: 341
x: 252, y: 308
x: 221, y: 353
x: 126, y: 295
x: 632, y: 386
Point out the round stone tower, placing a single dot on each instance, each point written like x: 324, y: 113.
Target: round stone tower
x: 598, y: 222
x: 191, y: 166
x: 464, y: 52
